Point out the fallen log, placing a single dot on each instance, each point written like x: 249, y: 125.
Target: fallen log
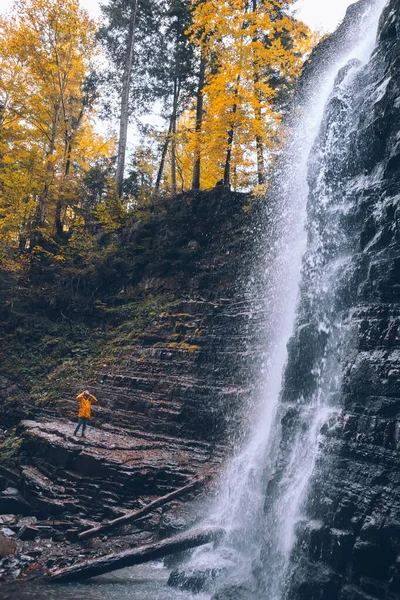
x: 137, y: 556
x: 136, y: 514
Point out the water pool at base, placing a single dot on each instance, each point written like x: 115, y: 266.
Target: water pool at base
x: 144, y: 582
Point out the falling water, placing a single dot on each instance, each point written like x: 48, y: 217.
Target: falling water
x: 311, y: 255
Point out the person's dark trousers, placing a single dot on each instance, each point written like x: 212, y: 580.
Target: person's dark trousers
x: 82, y: 422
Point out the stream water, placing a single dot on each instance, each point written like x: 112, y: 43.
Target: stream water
x: 144, y: 582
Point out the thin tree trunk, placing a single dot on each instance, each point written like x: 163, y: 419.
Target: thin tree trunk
x: 199, y: 123
x: 163, y: 156
x: 60, y: 202
x: 137, y: 556
x: 69, y: 136
x: 259, y: 140
x: 137, y: 514
x: 260, y: 159
x: 231, y: 132
x: 41, y: 209
x: 173, y: 136
x: 124, y: 114
x: 170, y: 138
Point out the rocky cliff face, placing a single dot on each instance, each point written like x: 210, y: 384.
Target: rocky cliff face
x: 348, y: 544
x: 169, y: 366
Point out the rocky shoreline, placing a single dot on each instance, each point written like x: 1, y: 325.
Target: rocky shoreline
x: 166, y: 358
x: 72, y: 484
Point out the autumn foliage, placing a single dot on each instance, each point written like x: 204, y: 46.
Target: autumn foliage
x: 47, y: 137
x: 254, y: 53
x: 222, y: 71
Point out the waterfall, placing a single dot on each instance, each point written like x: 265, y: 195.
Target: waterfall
x: 264, y: 487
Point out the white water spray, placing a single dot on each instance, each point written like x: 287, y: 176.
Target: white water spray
x: 240, y: 504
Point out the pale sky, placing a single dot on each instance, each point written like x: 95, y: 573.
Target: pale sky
x: 317, y: 14
x: 322, y: 14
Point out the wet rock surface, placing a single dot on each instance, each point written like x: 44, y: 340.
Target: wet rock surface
x: 195, y: 580
x: 170, y: 384
x: 107, y: 471
x: 72, y: 483
x: 184, y: 375
x: 236, y: 592
x: 348, y: 547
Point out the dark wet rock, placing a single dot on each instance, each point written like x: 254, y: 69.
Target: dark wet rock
x: 10, y: 533
x: 195, y: 580
x: 372, y: 560
x: 236, y: 591
x: 72, y: 535
x: 200, y: 575
x: 11, y: 501
x: 348, y: 544
x: 28, y: 532
x: 322, y: 583
x: 110, y: 471
x: 27, y: 521
x: 11, y: 476
x: 46, y: 531
x: 34, y: 553
x: 180, y: 516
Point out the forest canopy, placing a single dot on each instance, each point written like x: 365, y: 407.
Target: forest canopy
x: 221, y: 73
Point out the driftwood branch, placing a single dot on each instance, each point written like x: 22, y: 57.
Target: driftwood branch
x: 137, y: 514
x: 129, y: 558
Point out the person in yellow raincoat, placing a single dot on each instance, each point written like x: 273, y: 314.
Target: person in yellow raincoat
x: 85, y: 400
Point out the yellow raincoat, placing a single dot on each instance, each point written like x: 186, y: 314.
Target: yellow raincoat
x: 85, y: 405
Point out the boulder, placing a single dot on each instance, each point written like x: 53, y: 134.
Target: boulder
x: 8, y: 532
x: 236, y: 591
x: 195, y: 580
x: 28, y: 533
x: 8, y: 520
x: 11, y: 501
x: 7, y: 546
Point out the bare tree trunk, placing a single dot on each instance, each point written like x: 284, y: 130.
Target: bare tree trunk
x: 173, y: 136
x: 137, y: 514
x: 199, y: 123
x: 69, y: 137
x: 137, y: 556
x: 259, y: 140
x: 260, y: 159
x: 170, y: 139
x: 124, y: 115
x: 41, y: 208
x: 231, y: 132
x: 60, y: 202
x: 163, y: 156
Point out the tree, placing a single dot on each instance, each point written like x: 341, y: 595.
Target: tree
x: 175, y: 72
x: 199, y: 120
x: 253, y: 50
x: 124, y: 114
x: 129, y: 36
x: 46, y: 128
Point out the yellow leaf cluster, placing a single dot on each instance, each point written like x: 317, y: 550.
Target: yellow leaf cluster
x: 47, y: 138
x: 254, y: 52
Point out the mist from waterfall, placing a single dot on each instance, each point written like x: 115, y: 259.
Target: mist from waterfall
x: 301, y: 256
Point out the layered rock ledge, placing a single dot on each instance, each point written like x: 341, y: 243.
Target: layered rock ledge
x: 109, y: 471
